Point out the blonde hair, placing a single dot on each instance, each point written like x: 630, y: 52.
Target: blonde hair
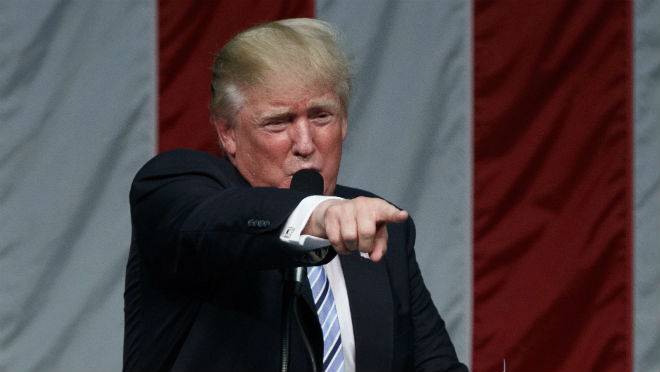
x: 303, y: 48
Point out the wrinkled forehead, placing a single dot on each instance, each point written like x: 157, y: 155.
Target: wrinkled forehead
x: 285, y: 90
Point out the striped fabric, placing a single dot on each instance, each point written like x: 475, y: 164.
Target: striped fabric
x: 333, y: 357
x: 522, y: 136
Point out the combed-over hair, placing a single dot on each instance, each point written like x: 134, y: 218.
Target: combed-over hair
x: 302, y: 48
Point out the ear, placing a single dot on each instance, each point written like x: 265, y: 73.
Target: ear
x: 344, y: 127
x: 226, y: 136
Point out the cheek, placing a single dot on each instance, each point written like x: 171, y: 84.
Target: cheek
x: 270, y: 153
x: 331, y: 141
x: 263, y: 143
x: 275, y: 146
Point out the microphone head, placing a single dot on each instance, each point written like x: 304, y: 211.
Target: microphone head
x: 308, y: 180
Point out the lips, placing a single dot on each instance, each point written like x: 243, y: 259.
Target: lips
x: 318, y: 169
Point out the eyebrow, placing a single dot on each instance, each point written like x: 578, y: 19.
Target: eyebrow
x: 274, y: 116
x: 315, y: 106
x: 324, y: 103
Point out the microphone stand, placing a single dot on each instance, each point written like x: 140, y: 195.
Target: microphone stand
x: 292, y: 292
x: 310, y: 181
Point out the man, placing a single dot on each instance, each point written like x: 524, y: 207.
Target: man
x: 211, y: 237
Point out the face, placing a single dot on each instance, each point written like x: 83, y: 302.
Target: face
x: 283, y: 128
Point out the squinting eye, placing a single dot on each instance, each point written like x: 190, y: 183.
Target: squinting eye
x: 275, y: 126
x: 323, y: 116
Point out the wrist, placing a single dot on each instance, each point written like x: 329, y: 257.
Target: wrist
x: 315, y: 224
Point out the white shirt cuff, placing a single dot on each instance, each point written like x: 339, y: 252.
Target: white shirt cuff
x: 297, y: 222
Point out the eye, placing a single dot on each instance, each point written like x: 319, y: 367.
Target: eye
x: 322, y: 117
x: 275, y: 125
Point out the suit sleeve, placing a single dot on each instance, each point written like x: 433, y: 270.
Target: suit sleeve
x: 433, y: 349
x: 193, y: 223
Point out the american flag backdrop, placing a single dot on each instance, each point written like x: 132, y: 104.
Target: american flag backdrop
x: 523, y: 137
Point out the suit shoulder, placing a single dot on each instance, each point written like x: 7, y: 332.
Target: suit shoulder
x: 352, y: 192
x: 185, y: 161
x: 183, y: 164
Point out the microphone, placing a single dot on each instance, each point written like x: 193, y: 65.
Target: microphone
x: 311, y: 182
x: 308, y: 181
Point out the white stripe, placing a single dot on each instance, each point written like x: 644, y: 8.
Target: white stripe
x: 338, y: 285
x: 468, y: 304
x: 332, y: 345
x: 341, y: 366
x: 434, y: 153
x: 316, y: 272
x: 78, y: 120
x: 334, y: 358
x: 328, y: 317
x: 647, y: 186
x: 327, y: 333
x: 316, y: 298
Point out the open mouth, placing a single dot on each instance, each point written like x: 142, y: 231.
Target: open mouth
x: 307, y: 168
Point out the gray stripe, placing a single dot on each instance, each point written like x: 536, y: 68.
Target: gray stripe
x: 647, y: 185
x: 409, y: 129
x: 77, y: 107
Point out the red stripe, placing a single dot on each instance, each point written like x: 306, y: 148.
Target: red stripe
x: 189, y: 33
x: 552, y: 204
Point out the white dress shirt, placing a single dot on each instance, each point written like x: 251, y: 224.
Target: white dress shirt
x: 291, y: 234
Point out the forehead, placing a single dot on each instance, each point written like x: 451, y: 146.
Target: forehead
x: 286, y: 95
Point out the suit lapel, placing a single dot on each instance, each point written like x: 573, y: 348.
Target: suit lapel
x: 370, y: 299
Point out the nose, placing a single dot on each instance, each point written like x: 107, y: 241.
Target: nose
x: 303, y: 138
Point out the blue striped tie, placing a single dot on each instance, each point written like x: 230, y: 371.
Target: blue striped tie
x: 333, y: 356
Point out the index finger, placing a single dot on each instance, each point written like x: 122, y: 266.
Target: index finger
x: 390, y: 213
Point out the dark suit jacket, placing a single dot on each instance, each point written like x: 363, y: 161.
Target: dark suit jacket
x: 204, y: 279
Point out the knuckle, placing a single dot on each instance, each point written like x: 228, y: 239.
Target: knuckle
x: 367, y: 231
x: 349, y: 236
x: 366, y: 248
x: 361, y: 201
x: 332, y: 210
x: 335, y: 241
x: 330, y: 220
